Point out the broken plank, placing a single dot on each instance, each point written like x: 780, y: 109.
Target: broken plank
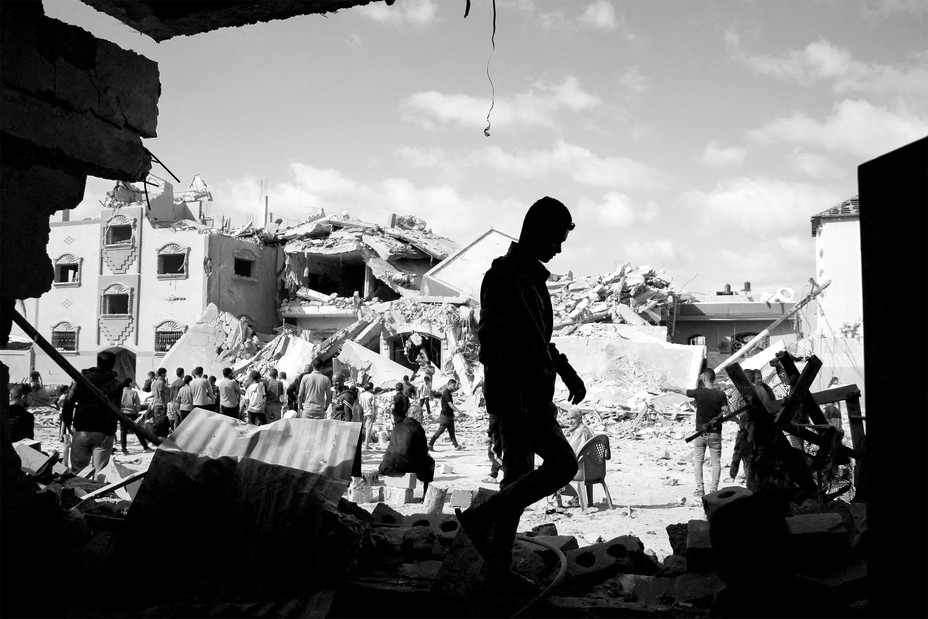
x: 837, y: 394
x: 113, y: 486
x: 809, y: 405
x: 799, y: 392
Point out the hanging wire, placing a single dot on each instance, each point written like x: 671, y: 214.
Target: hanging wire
x: 486, y: 131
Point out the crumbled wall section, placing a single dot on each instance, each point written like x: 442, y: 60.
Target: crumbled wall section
x: 164, y: 20
x: 71, y: 105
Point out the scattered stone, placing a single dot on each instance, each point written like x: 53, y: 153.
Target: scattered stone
x: 397, y: 496
x: 677, y: 534
x: 447, y: 469
x: 547, y: 528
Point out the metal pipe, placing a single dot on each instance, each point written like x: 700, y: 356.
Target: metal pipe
x: 561, y: 572
x: 71, y: 371
x: 744, y: 349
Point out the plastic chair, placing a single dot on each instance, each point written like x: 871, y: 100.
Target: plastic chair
x: 592, y: 470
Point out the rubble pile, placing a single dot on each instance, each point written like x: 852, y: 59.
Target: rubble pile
x: 217, y: 340
x: 632, y: 295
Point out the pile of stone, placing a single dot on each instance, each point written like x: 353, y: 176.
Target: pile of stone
x: 631, y: 295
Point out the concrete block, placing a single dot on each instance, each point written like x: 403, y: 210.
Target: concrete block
x: 462, y: 498
x: 621, y: 555
x: 397, y: 496
x: 406, y: 481
x: 700, y: 556
x: 361, y: 494
x: 445, y: 526
x: 420, y: 570
x: 384, y: 514
x: 531, y: 564
x: 713, y: 501
x: 420, y: 543
x: 377, y: 493
x: 697, y: 589
x: 33, y: 459
x: 817, y: 540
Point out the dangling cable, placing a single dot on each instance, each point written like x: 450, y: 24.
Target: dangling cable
x: 486, y: 131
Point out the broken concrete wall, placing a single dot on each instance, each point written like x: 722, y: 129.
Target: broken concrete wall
x: 597, y: 357
x: 72, y: 105
x: 461, y: 274
x: 254, y: 296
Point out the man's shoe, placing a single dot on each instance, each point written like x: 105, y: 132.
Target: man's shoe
x: 458, y: 447
x: 698, y: 494
x: 478, y: 532
x: 490, y: 480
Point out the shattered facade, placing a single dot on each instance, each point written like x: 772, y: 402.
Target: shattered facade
x: 135, y: 278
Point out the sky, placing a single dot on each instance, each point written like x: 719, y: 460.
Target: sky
x: 694, y: 137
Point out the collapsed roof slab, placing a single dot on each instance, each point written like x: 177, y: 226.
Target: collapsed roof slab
x: 437, y: 247
x: 389, y: 248
x: 594, y: 357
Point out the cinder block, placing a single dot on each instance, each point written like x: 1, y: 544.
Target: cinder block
x: 397, y: 496
x: 406, y: 481
x: 377, y: 493
x: 384, y: 514
x: 361, y: 494
x: 699, y: 553
x: 445, y: 526
x: 676, y: 533
x: 621, y: 555
x: 714, y: 500
x: 462, y: 498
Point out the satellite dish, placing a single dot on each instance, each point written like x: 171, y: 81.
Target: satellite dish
x: 787, y: 294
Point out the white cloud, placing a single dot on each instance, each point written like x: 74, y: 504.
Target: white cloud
x: 579, y: 163
x: 600, y: 15
x: 719, y: 156
x: 816, y: 165
x: 413, y: 12
x: 632, y: 80
x: 658, y: 253
x: 539, y: 106
x: 762, y: 206
x: 821, y: 61
x: 353, y: 40
x: 854, y: 127
x: 614, y: 210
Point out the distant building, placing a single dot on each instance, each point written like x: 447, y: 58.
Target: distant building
x: 837, y: 334
x: 726, y: 322
x: 133, y: 279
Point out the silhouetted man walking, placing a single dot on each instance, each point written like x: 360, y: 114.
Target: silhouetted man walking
x: 516, y: 322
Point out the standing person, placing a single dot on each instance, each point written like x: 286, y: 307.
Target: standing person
x: 255, y: 400
x: 425, y: 397
x: 184, y: 400
x: 36, y: 384
x: 22, y: 422
x: 315, y: 393
x: 176, y: 385
x: 400, y: 402
x: 520, y: 363
x: 710, y: 403
x: 94, y: 423
x: 409, y: 390
x: 284, y: 395
x: 146, y: 386
x: 293, y: 389
x: 274, y: 390
x: 130, y: 405
x: 494, y: 450
x: 200, y: 391
x: 764, y: 392
x: 446, y: 416
x: 229, y: 394
x: 343, y: 405
x: 157, y: 407
x: 369, y: 413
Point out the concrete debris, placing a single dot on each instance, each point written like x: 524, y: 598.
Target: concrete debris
x: 217, y: 340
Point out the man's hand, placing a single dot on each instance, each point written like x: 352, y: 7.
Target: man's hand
x: 576, y: 388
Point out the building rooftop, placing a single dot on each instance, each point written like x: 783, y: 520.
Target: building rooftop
x: 848, y: 208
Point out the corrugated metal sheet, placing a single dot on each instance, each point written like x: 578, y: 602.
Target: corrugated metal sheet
x: 322, y: 446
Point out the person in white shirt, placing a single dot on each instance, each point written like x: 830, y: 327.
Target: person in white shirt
x: 255, y: 399
x: 369, y: 412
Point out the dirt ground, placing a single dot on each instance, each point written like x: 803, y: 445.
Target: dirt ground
x: 650, y: 478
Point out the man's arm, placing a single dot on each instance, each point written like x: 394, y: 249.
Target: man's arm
x: 328, y: 393
x: 567, y: 373
x: 674, y: 389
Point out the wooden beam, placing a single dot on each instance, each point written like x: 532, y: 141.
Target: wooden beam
x: 116, y: 485
x: 808, y: 404
x: 798, y: 393
x: 836, y: 395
